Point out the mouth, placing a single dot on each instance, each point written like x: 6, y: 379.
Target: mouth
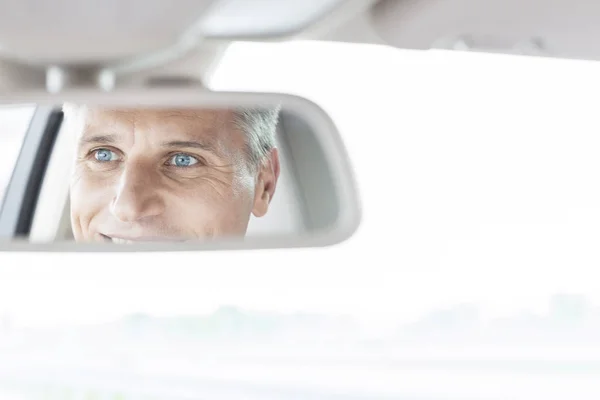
x: 137, y: 240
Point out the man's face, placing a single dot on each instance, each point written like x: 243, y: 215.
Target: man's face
x: 146, y: 175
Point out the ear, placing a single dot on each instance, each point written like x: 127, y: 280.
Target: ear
x: 266, y: 184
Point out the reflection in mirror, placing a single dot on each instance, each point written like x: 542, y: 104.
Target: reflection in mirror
x: 128, y: 175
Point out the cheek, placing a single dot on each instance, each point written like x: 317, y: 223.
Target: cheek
x: 89, y: 194
x: 207, y: 207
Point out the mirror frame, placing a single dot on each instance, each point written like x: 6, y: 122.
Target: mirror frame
x: 325, y: 131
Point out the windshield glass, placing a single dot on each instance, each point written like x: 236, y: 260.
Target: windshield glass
x: 478, y: 176
x: 477, y: 171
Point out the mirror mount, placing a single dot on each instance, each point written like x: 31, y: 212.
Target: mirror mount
x: 59, y: 79
x: 17, y: 76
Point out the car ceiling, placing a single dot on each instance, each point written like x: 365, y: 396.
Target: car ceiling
x: 87, y: 31
x: 553, y: 28
x: 83, y: 32
x: 76, y: 34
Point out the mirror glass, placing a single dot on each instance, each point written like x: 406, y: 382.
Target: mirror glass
x: 82, y: 173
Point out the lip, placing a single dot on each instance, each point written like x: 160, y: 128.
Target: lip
x: 121, y: 239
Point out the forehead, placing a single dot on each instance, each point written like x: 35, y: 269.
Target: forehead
x: 156, y: 117
x: 165, y: 122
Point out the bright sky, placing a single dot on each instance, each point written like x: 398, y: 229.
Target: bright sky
x: 479, y: 179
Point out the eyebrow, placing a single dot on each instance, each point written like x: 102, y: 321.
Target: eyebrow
x: 99, y: 139
x: 190, y: 144
x: 175, y: 144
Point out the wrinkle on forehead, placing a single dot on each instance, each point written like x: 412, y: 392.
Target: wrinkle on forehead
x: 215, y: 128
x: 191, y: 115
x: 214, y: 125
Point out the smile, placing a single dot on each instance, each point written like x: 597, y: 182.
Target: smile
x: 121, y: 240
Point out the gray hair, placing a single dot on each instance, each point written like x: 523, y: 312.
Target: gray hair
x: 259, y: 125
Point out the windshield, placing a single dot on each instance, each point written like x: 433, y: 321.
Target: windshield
x: 474, y: 261
x: 477, y: 171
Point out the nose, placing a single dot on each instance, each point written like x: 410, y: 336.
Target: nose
x: 137, y: 196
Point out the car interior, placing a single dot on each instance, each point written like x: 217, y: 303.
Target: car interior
x: 467, y: 275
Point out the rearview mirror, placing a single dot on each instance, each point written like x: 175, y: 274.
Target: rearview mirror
x: 171, y: 169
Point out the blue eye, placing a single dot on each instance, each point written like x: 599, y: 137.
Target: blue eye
x: 183, y: 160
x: 105, y: 155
